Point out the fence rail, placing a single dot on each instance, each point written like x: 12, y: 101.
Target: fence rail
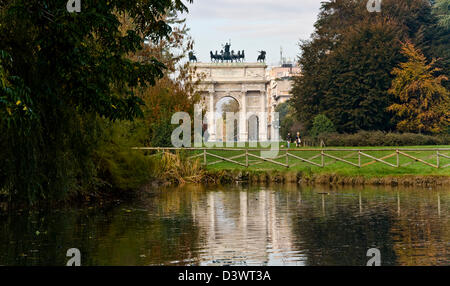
x: 292, y: 157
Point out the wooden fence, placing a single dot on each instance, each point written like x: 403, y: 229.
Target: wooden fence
x: 288, y: 158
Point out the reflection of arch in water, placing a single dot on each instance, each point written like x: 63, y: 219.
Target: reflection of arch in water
x: 224, y: 105
x: 252, y: 223
x: 253, y: 128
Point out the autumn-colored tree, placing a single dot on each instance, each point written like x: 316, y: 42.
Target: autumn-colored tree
x: 423, y: 102
x: 176, y: 90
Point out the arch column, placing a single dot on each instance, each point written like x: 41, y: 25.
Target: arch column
x: 263, y: 118
x: 211, y: 118
x: 243, y: 133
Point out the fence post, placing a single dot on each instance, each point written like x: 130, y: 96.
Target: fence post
x: 246, y: 158
x: 359, y: 158
x: 398, y: 158
x: 204, y: 157
x: 437, y: 158
x: 287, y: 158
x: 322, y: 159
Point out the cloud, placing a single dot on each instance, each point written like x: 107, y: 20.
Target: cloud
x: 252, y: 25
x: 252, y: 9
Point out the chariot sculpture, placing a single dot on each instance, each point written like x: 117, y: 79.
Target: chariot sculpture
x: 226, y: 55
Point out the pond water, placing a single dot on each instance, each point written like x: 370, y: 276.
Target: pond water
x: 238, y: 225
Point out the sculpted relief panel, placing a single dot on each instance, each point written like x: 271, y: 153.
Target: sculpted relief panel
x: 254, y: 73
x: 227, y: 73
x: 229, y: 86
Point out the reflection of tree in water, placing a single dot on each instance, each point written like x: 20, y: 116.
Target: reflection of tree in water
x: 342, y: 236
x: 38, y: 237
x: 122, y: 235
x: 422, y: 234
x: 162, y: 229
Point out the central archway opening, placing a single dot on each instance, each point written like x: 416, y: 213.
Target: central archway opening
x: 227, y: 133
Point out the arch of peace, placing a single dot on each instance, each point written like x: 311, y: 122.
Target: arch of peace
x: 244, y: 82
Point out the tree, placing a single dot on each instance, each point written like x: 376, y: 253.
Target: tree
x: 283, y: 110
x: 349, y: 83
x: 424, y: 104
x: 346, y: 65
x: 441, y: 10
x: 176, y: 91
x: 321, y: 125
x: 441, y: 43
x: 288, y: 120
x: 72, y: 68
x: 360, y: 77
x: 122, y: 168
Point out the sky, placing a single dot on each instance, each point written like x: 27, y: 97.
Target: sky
x: 251, y: 25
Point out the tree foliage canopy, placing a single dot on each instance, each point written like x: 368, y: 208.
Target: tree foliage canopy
x: 346, y: 66
x: 441, y: 9
x: 61, y: 70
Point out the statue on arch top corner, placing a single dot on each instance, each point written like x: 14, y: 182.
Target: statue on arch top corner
x: 192, y: 57
x: 262, y: 56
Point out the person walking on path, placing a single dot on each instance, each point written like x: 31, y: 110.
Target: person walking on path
x: 288, y: 140
x: 298, y: 140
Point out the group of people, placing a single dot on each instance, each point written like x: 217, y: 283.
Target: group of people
x: 289, y: 140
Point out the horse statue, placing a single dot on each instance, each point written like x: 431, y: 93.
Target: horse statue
x: 238, y: 57
x: 192, y: 57
x: 262, y: 56
x: 214, y: 57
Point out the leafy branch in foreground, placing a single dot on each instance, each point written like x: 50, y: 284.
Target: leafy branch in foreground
x: 75, y: 67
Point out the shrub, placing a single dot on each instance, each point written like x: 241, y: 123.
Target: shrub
x: 379, y: 138
x: 176, y: 168
x: 120, y: 168
x: 322, y: 125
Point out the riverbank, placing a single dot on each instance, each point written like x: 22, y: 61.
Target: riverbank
x: 410, y: 166
x: 184, y: 167
x: 250, y: 177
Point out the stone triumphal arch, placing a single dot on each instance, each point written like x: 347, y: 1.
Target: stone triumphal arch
x: 244, y: 82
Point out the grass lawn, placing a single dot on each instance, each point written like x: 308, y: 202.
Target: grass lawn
x: 408, y: 166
